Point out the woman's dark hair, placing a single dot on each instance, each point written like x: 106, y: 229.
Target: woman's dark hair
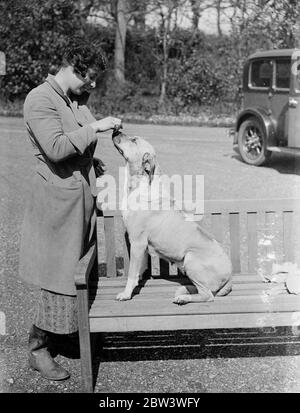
x: 82, y: 56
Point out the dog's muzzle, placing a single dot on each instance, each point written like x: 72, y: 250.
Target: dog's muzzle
x: 116, y: 132
x: 117, y: 140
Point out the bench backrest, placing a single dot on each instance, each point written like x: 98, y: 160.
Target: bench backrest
x: 240, y: 225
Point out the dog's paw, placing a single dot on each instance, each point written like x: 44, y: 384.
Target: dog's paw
x: 123, y: 296
x: 182, y: 299
x: 186, y: 289
x: 180, y: 291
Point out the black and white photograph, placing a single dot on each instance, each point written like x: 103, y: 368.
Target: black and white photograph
x: 150, y: 200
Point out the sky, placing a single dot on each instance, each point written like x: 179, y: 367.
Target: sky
x: 207, y: 22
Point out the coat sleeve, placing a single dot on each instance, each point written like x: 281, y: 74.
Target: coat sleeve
x: 43, y: 119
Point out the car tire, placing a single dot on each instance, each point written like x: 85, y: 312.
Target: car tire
x: 252, y: 142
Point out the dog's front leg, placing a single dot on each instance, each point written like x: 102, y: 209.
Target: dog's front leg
x: 136, y: 267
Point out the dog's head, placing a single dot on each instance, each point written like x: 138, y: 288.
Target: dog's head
x: 139, y: 154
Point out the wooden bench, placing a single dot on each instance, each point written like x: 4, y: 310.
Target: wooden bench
x: 239, y: 226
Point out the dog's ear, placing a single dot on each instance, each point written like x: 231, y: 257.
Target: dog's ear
x: 149, y: 165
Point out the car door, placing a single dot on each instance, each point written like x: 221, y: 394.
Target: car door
x: 294, y: 103
x: 279, y: 97
x: 258, y: 85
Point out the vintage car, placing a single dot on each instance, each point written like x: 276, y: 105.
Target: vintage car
x: 270, y: 118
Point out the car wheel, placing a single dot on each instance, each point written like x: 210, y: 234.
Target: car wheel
x: 252, y: 142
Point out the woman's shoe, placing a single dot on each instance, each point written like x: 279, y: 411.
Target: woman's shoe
x: 40, y: 358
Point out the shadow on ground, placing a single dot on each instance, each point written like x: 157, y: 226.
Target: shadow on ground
x: 187, y: 345
x: 282, y: 163
x: 137, y: 346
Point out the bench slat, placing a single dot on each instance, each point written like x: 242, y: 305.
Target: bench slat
x: 196, y: 321
x: 252, y: 240
x: 159, y: 286
x: 176, y: 280
x: 242, y: 289
x: 164, y: 306
x: 109, y: 229
x: 169, y: 294
x: 217, y: 227
x: 240, y: 205
x: 234, y: 228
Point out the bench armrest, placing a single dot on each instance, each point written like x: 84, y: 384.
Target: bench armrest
x: 84, y: 266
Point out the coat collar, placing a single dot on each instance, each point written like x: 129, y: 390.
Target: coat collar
x: 80, y: 100
x: 52, y: 82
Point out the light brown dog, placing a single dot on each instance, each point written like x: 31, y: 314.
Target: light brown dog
x: 167, y: 232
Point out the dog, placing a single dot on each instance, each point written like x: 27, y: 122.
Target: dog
x: 166, y: 231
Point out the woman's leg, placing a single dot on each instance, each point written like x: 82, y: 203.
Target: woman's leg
x: 54, y: 324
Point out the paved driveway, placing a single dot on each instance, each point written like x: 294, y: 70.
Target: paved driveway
x: 209, y: 152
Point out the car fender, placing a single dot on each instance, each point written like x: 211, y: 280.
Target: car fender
x: 266, y: 121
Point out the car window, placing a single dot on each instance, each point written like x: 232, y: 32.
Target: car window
x: 261, y: 72
x: 283, y: 70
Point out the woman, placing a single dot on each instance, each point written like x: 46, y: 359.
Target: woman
x: 59, y: 216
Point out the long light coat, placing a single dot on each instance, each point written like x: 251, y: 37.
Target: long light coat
x: 59, y: 215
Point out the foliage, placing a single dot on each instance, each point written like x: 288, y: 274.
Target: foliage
x: 33, y: 35
x: 195, y: 80
x: 201, y: 69
x: 141, y: 65
x: 123, y: 99
x: 270, y: 23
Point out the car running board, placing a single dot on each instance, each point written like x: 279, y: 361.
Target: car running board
x: 290, y: 151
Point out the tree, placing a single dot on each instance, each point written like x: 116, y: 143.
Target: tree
x: 139, y: 13
x: 167, y: 12
x: 297, y: 33
x: 119, y: 13
x: 271, y: 23
x: 195, y: 6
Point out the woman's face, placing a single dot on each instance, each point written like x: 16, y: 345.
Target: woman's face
x: 82, y: 82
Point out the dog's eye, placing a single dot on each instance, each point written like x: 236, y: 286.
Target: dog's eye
x: 133, y: 140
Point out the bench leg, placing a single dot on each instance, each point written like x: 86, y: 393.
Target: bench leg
x: 85, y: 341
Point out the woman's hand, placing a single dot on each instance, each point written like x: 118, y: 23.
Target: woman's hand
x: 105, y: 124
x: 99, y: 166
